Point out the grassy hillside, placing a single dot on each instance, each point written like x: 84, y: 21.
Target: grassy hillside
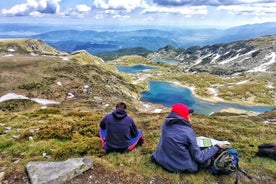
x: 70, y: 129
x: 54, y: 77
x: 54, y: 134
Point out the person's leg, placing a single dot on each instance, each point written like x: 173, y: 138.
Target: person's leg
x: 138, y: 140
x: 206, y: 164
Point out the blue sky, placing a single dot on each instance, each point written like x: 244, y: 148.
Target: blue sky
x: 183, y: 13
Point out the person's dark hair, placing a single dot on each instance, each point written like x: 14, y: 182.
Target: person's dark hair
x: 121, y: 106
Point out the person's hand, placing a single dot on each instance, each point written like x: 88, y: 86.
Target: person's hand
x: 221, y: 146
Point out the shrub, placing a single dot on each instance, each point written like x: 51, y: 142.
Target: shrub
x: 5, y: 143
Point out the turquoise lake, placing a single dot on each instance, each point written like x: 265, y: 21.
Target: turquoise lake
x: 161, y: 60
x: 134, y: 68
x: 167, y: 93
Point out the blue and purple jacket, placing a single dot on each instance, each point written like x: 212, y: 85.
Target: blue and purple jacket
x: 177, y: 150
x: 120, y: 129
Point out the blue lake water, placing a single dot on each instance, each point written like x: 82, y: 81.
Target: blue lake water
x: 134, y: 69
x: 170, y: 61
x: 167, y: 93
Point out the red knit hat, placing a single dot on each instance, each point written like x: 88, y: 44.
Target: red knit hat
x: 182, y: 110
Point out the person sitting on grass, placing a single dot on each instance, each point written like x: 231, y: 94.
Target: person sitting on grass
x: 177, y: 150
x: 118, y: 131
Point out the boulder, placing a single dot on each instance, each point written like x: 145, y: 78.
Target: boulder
x: 41, y: 172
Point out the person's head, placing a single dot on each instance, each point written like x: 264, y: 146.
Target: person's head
x: 182, y: 110
x: 121, y: 105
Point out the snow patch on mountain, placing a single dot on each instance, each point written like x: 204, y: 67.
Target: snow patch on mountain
x: 263, y: 67
x: 13, y: 96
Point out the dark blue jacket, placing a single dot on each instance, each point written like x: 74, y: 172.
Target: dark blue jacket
x: 120, y: 128
x: 177, y: 150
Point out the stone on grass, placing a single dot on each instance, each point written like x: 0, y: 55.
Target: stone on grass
x: 41, y: 172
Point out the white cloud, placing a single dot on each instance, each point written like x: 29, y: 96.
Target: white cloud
x: 127, y: 5
x: 208, y: 2
x: 187, y: 11
x: 79, y: 11
x: 120, y: 17
x: 33, y: 8
x: 251, y: 9
x: 83, y: 8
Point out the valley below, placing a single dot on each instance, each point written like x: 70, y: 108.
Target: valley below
x: 86, y: 88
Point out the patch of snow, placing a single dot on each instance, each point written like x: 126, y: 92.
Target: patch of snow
x: 242, y: 82
x: 237, y: 56
x: 70, y: 95
x: 44, y: 101
x: 146, y: 106
x: 270, y: 86
x: 8, y: 55
x: 33, y: 54
x: 59, y: 83
x: 229, y: 60
x: 215, y: 58
x: 86, y: 88
x: 64, y: 58
x: 199, y: 60
x: 10, y: 96
x: 11, y: 50
x: 157, y: 110
x: 264, y: 66
x: 214, y: 92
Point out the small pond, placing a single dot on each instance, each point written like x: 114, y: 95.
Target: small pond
x: 161, y: 60
x: 134, y: 68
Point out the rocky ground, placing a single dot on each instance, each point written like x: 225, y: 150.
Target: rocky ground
x: 98, y: 174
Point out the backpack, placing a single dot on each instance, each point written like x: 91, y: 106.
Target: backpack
x: 226, y: 161
x: 267, y: 150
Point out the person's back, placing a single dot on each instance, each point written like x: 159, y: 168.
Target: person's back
x: 118, y: 131
x: 177, y: 150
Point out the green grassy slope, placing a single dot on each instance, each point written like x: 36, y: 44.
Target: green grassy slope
x: 71, y: 128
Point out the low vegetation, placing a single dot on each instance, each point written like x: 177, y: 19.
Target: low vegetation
x: 53, y: 134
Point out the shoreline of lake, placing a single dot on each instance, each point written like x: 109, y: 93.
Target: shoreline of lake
x: 214, y: 102
x: 215, y: 99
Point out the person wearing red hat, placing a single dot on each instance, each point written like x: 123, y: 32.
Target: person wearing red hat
x: 177, y: 150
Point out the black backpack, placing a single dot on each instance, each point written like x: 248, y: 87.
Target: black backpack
x: 267, y: 150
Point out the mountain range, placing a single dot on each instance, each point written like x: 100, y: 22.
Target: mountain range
x: 70, y: 39
x: 253, y: 55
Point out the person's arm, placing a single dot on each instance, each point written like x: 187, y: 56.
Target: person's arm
x: 199, y: 155
x: 133, y: 128
x: 103, y: 123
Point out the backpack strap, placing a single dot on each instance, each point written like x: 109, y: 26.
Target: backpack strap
x: 243, y: 172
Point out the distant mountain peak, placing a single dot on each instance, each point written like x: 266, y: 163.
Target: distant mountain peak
x: 252, y: 55
x: 27, y: 46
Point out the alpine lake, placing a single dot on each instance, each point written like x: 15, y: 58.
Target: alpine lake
x: 167, y: 93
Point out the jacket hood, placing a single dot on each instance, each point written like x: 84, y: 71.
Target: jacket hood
x: 175, y: 119
x: 119, y: 114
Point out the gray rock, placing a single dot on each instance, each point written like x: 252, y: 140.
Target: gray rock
x: 41, y: 172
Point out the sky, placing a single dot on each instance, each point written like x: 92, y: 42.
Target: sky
x: 177, y: 13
